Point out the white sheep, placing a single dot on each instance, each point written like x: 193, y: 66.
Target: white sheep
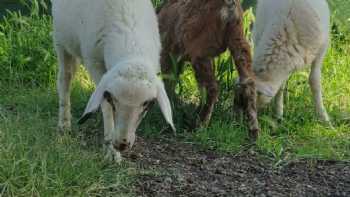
x: 119, y: 44
x: 288, y: 36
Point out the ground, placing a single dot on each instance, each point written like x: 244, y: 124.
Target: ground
x: 180, y: 169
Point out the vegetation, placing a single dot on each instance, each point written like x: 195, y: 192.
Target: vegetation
x: 36, y: 161
x: 26, y: 49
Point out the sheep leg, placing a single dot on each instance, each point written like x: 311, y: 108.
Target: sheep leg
x: 245, y: 100
x: 316, y: 88
x: 245, y: 95
x: 97, y: 70
x: 108, y: 122
x: 205, y: 76
x: 66, y: 71
x: 279, y: 105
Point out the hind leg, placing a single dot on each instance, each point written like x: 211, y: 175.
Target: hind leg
x: 316, y: 87
x: 66, y: 71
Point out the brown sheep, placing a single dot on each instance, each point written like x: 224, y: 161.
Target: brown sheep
x: 198, y: 31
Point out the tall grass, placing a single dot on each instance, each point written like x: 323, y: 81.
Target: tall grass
x: 341, y: 15
x: 26, y: 51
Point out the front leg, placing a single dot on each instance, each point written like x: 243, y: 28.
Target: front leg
x: 279, y: 105
x: 97, y: 70
x: 111, y: 153
x: 67, y: 68
x: 316, y: 88
x: 246, y: 90
x: 205, y: 76
x: 245, y: 101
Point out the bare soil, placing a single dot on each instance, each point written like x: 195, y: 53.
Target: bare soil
x: 172, y: 168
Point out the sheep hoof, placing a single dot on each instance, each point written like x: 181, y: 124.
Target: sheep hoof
x: 112, y: 155
x: 254, y: 134
x: 328, y: 123
x: 324, y: 117
x: 64, y: 128
x: 279, y: 119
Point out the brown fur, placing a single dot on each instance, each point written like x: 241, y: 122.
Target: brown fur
x: 195, y: 30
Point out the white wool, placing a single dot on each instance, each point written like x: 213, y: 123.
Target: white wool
x: 119, y: 43
x: 288, y: 35
x: 109, y: 31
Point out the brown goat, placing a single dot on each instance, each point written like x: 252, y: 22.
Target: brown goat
x: 199, y: 30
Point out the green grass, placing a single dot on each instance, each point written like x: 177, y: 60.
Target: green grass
x: 26, y: 49
x: 341, y: 13
x: 36, y: 161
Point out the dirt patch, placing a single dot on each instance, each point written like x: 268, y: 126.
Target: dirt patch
x: 172, y: 168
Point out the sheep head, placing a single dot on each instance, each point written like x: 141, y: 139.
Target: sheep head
x: 129, y: 93
x: 268, y: 82
x: 230, y: 10
x: 265, y: 93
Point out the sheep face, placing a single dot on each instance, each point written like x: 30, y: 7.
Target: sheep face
x: 270, y: 71
x: 269, y: 79
x: 126, y: 98
x: 263, y: 100
x: 230, y: 10
x: 265, y: 92
x: 129, y: 103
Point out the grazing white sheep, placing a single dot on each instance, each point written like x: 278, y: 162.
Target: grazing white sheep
x: 119, y: 44
x: 289, y: 35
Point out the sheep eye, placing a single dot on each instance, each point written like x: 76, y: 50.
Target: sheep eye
x: 108, y: 96
x: 145, y: 104
x: 148, y: 104
x: 261, y: 70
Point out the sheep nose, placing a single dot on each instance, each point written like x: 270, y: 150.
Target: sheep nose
x: 122, y: 146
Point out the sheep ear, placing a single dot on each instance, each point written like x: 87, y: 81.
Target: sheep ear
x: 164, y: 105
x: 93, y: 104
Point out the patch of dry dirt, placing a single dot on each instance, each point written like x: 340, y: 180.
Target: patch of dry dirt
x: 172, y: 168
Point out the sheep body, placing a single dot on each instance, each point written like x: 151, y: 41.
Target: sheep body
x: 119, y: 43
x: 108, y: 30
x: 288, y: 36
x: 199, y: 30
